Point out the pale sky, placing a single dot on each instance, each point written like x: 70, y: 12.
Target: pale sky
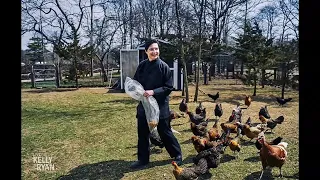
x: 25, y: 38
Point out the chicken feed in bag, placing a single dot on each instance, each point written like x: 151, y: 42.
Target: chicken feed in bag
x: 135, y: 90
x: 152, y: 111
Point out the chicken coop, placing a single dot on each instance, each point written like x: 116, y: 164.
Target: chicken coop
x: 129, y: 61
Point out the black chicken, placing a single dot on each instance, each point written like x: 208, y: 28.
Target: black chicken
x: 272, y: 123
x: 283, y: 101
x: 155, y: 139
x: 273, y: 142
x: 249, y: 121
x: 214, y: 97
x: 218, y: 110
x: 197, y: 118
x: 199, y: 108
x: 183, y: 106
x: 264, y: 112
x: 211, y: 155
x: 191, y: 172
x: 199, y: 129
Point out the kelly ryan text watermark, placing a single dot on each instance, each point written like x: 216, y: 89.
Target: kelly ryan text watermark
x: 43, y: 162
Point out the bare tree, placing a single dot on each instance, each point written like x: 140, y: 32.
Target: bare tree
x: 290, y: 9
x: 105, y: 31
x: 269, y: 14
x: 182, y: 55
x: 199, y: 9
x: 57, y: 26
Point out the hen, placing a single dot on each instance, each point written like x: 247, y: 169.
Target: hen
x: 202, y: 143
x: 197, y: 118
x: 250, y: 132
x: 248, y: 121
x: 226, y: 127
x: 183, y: 106
x: 199, y: 129
x: 213, y: 133
x: 273, y: 142
x: 175, y: 115
x: 282, y: 101
x: 272, y: 123
x: 264, y: 112
x: 155, y: 139
x: 236, y: 115
x: 211, y: 155
x: 263, y: 119
x: 190, y: 173
x: 214, y: 97
x: 199, y: 108
x: 234, y: 143
x: 272, y: 155
x: 218, y: 110
x: 247, y: 100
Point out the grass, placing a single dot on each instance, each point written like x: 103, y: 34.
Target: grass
x: 90, y: 133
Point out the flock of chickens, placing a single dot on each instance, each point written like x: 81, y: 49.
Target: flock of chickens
x: 210, y: 142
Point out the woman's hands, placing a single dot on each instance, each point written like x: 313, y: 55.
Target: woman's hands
x: 148, y: 93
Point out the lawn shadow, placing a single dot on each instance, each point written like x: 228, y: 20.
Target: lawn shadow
x: 226, y: 158
x: 253, y: 159
x: 267, y: 174
x: 186, y: 142
x: 113, y: 169
x: 247, y: 142
x: 48, y: 90
x: 116, y: 91
x: 255, y: 175
x: 122, y: 101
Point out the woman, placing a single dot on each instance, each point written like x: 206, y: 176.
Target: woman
x: 156, y: 78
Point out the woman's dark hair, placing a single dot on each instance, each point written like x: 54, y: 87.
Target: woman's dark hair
x: 149, y: 42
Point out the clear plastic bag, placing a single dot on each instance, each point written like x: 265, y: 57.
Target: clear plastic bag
x: 135, y: 90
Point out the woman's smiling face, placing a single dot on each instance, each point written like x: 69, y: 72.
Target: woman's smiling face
x: 153, y: 51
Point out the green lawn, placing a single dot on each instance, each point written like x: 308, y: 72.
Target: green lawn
x: 91, y: 133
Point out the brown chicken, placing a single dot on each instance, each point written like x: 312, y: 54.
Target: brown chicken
x: 213, y: 133
x: 247, y: 100
x: 202, y: 143
x: 263, y: 119
x: 273, y: 142
x: 250, y: 132
x: 175, y: 115
x: 234, y: 144
x: 232, y: 127
x: 272, y: 155
x: 190, y: 173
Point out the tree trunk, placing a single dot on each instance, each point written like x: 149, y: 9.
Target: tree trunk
x: 254, y: 82
x: 283, y: 80
x: 198, y: 74
x: 205, y: 73
x: 263, y: 76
